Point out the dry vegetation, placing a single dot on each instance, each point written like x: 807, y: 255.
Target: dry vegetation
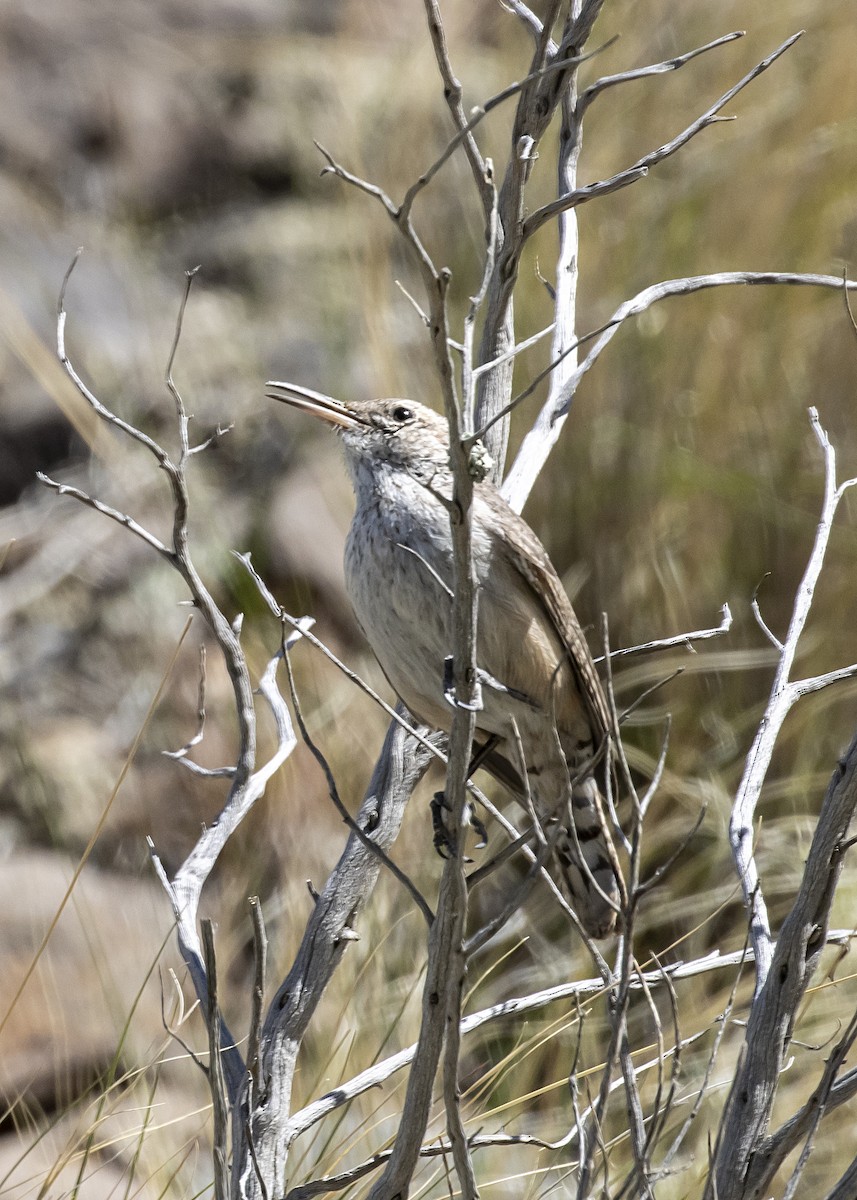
x: 167, y: 136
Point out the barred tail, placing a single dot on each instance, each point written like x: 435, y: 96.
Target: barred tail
x: 588, y: 866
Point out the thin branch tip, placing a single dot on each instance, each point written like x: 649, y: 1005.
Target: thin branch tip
x: 75, y: 259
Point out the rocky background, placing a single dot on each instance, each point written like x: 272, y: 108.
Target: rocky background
x: 166, y: 134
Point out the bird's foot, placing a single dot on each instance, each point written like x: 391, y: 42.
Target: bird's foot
x: 445, y: 842
x: 449, y: 692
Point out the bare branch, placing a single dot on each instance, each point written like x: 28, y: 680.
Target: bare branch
x: 371, y: 189
x: 760, y: 621
x: 91, y: 399
x: 783, y: 696
x: 379, y: 1073
x: 661, y: 68
x: 745, y: 1158
x: 660, y: 765
x: 545, y: 432
x: 452, y: 92
x: 216, y: 1080
x: 246, y: 787
x: 200, y: 713
x: 65, y: 489
x: 526, y: 344
x: 548, y: 371
x: 181, y: 414
x: 641, y: 168
x: 403, y: 878
x: 260, y: 958
x: 526, y: 15
x: 477, y: 115
x: 595, y: 191
x: 680, y: 639
x: 468, y: 374
x: 400, y: 764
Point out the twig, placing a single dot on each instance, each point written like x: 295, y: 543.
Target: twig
x: 634, y: 1112
x: 537, y: 444
x: 452, y: 93
x: 820, y: 1098
x: 301, y: 625
x: 702, y: 1090
x: 680, y: 639
x: 477, y: 115
x: 662, y: 1108
x: 200, y: 714
x: 302, y: 1120
x: 760, y: 620
x: 333, y: 791
x: 657, y: 775
x: 492, y: 927
x: 91, y: 399
x: 642, y: 167
x: 106, y: 510
x: 560, y: 355
x: 260, y: 959
x: 661, y: 68
x: 526, y: 15
x: 181, y: 413
x: 745, y: 1157
x: 172, y: 1032
x: 784, y: 694
x: 216, y: 1079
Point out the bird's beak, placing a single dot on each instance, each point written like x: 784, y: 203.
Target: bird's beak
x: 307, y: 400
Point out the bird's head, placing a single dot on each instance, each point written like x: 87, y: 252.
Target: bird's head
x: 400, y: 433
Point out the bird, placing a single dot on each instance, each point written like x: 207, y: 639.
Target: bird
x: 544, y: 713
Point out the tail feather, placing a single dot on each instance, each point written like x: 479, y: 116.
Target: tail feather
x: 587, y: 864
x: 587, y: 861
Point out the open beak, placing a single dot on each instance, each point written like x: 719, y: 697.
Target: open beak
x: 307, y: 400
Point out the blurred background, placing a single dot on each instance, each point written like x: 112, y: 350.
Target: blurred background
x: 166, y: 134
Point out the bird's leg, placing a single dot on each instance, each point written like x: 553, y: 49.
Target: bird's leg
x: 444, y: 842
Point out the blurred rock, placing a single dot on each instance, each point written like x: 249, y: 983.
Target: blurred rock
x: 67, y: 1024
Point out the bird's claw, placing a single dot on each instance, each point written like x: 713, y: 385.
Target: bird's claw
x: 444, y: 839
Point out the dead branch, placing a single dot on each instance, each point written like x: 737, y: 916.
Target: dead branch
x: 661, y: 68
x: 345, y: 1092
x: 746, y: 1158
x: 264, y: 1122
x: 785, y: 693
x: 642, y: 167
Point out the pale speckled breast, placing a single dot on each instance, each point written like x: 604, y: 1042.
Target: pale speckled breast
x: 398, y: 569
x: 402, y: 608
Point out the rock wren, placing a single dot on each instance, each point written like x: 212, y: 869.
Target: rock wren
x: 543, y: 698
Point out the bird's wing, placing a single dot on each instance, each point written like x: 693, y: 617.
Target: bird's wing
x: 518, y: 548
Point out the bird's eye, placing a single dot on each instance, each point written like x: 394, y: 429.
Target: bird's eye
x: 402, y: 413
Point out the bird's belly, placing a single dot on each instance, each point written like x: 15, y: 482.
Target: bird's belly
x: 401, y: 601
x: 401, y: 595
